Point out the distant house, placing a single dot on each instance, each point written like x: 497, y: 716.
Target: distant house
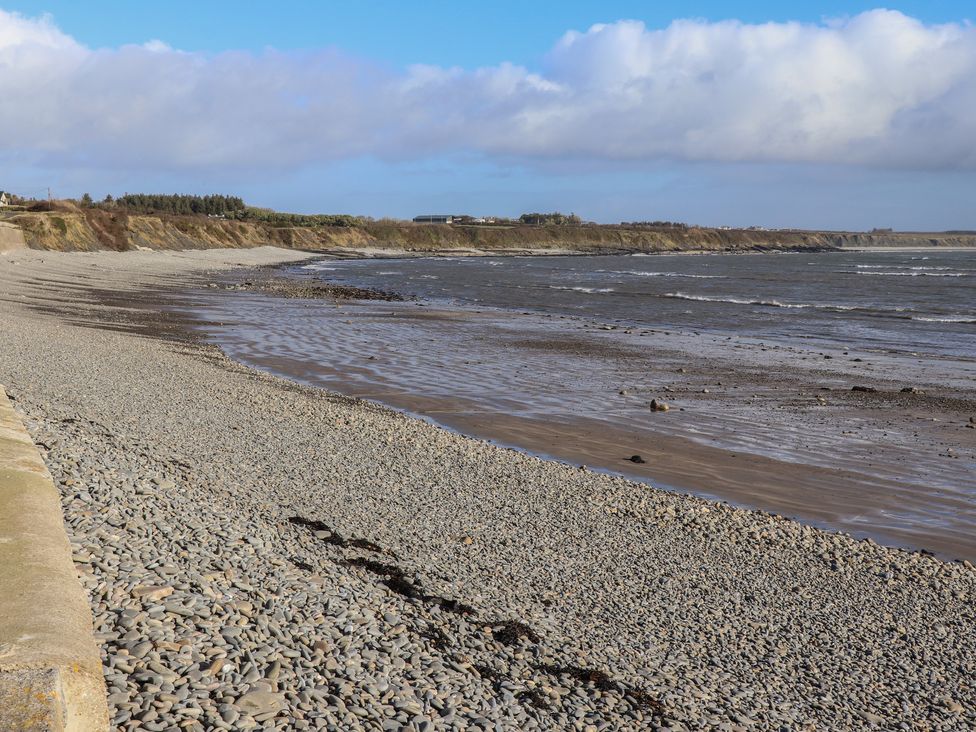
x: 5, y: 198
x: 434, y: 219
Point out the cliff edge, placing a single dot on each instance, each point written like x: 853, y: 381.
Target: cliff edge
x: 94, y: 229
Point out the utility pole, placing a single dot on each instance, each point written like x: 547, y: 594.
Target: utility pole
x: 49, y: 196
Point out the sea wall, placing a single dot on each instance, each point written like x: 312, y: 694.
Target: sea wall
x: 50, y: 668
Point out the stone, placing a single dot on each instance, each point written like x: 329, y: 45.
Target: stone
x: 151, y: 592
x: 870, y: 718
x: 321, y: 646
x: 215, y: 667
x: 258, y: 703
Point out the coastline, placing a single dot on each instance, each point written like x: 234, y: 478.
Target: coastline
x: 180, y: 470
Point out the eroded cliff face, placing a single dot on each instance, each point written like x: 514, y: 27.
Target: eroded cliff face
x: 101, y: 230
x: 95, y: 229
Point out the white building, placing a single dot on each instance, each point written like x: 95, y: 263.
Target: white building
x: 434, y: 219
x: 4, y: 198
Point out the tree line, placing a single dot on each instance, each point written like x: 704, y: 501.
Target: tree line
x: 179, y: 204
x: 655, y: 224
x: 277, y: 218
x: 230, y: 207
x: 554, y: 218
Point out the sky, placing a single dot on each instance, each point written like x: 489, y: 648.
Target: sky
x: 811, y: 115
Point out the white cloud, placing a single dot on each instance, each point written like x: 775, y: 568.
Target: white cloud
x: 877, y: 89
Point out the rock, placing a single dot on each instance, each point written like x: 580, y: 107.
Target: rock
x: 657, y: 406
x: 151, y: 592
x: 870, y: 718
x: 260, y: 702
x: 230, y: 715
x: 912, y: 390
x: 867, y: 389
x: 215, y: 667
x: 954, y: 706
x: 636, y: 459
x: 273, y: 672
x: 321, y: 646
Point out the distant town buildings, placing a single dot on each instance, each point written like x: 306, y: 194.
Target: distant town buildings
x: 434, y: 219
x: 453, y: 219
x: 5, y: 199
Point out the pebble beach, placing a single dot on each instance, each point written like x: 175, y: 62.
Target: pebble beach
x: 262, y: 555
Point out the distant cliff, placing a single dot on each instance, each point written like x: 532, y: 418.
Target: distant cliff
x: 94, y: 229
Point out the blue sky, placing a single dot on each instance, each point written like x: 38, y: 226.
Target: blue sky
x: 320, y: 107
x: 434, y: 31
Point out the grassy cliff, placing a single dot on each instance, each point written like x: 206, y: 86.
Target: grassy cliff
x: 74, y: 229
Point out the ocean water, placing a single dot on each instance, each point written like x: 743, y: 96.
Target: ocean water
x: 756, y: 354
x: 911, y: 301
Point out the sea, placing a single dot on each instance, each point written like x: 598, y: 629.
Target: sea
x: 908, y: 301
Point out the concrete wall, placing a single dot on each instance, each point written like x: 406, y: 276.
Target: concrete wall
x: 11, y: 237
x: 50, y: 669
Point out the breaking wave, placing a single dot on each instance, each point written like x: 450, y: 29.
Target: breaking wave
x: 917, y: 274
x: 945, y: 319
x: 897, y: 266
x: 899, y: 313
x: 588, y: 290
x: 739, y: 301
x: 666, y: 274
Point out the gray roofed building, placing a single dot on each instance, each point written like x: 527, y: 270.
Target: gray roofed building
x: 434, y: 219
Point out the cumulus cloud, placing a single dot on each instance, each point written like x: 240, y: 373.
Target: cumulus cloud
x: 877, y: 89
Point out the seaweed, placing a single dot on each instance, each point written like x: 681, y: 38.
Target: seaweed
x: 604, y: 683
x: 335, y: 537
x: 510, y: 632
x: 398, y: 581
x: 304, y: 566
x: 534, y: 698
